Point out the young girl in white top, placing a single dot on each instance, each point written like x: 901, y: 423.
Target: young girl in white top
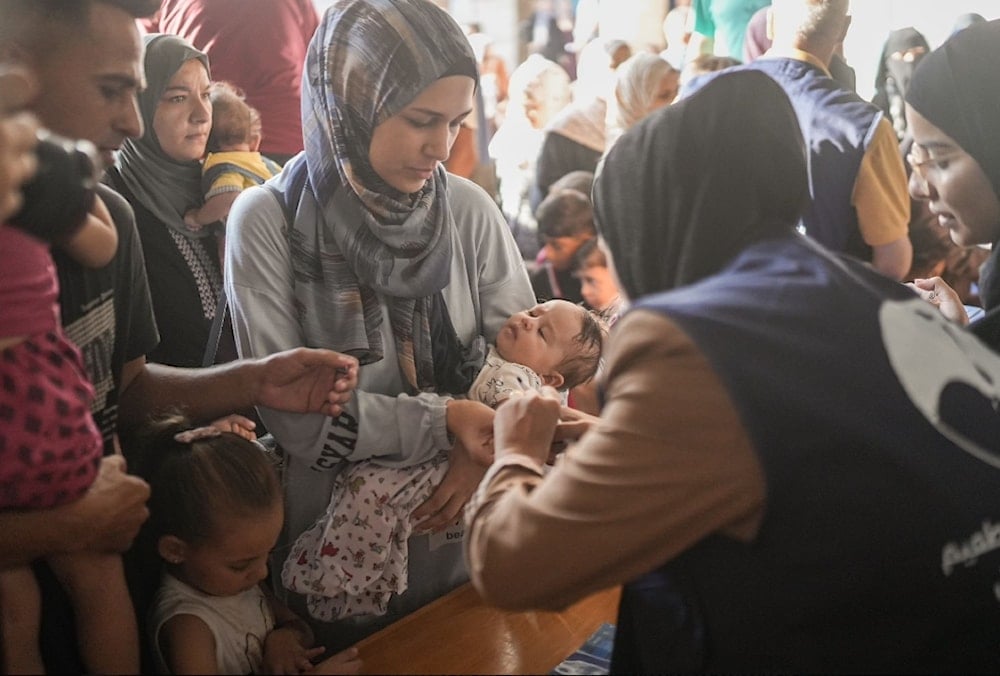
x: 215, y: 513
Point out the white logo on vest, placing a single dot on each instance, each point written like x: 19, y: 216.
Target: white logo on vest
x: 952, y: 378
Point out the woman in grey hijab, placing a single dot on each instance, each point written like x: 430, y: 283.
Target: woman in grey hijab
x: 160, y: 175
x: 365, y: 242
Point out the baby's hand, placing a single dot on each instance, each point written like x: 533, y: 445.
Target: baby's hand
x: 344, y: 662
x: 191, y: 221
x: 285, y: 654
x: 237, y: 424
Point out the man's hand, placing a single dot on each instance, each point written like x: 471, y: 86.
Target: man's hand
x: 527, y: 425
x: 304, y: 380
x: 108, y: 516
x: 18, y: 139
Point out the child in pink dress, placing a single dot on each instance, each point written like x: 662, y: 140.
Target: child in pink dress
x: 50, y: 447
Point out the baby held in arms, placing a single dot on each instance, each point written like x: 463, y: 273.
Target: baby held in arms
x: 354, y: 558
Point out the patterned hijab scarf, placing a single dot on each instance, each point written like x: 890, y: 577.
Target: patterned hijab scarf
x: 354, y: 237
x: 957, y: 89
x: 166, y: 187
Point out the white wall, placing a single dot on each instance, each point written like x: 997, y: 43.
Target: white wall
x: 873, y: 19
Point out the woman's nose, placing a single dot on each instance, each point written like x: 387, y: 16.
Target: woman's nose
x: 439, y: 145
x: 202, y: 111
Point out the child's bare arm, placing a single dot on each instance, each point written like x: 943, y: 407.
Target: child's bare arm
x: 215, y: 208
x: 105, y: 619
x: 94, y: 244
x: 20, y: 617
x: 188, y: 645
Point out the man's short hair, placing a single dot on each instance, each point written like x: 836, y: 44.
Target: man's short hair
x: 40, y: 25
x: 810, y: 19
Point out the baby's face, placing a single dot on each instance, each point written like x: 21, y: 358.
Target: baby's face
x: 542, y: 338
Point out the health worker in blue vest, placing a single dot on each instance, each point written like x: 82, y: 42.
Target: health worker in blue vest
x: 796, y: 467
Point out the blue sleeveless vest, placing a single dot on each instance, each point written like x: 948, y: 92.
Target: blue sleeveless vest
x: 838, y: 126
x: 874, y: 421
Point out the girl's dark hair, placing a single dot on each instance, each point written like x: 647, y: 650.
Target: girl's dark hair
x: 191, y: 483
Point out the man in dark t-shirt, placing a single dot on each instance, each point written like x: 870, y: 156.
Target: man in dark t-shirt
x: 87, y: 59
x: 107, y: 313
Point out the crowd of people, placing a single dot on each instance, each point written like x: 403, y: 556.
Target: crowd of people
x: 714, y: 328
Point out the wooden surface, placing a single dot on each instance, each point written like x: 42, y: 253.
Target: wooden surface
x: 460, y: 634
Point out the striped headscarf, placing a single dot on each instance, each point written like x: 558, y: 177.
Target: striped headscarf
x: 362, y: 238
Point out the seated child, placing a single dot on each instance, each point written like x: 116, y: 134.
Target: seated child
x: 50, y: 447
x: 215, y: 514
x: 234, y: 162
x: 565, y: 221
x: 354, y: 558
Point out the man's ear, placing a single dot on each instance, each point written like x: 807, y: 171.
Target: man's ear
x: 172, y: 549
x: 553, y: 380
x: 847, y: 27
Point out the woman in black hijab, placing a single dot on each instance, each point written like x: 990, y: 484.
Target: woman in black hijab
x: 902, y: 52
x: 768, y: 408
x: 953, y: 106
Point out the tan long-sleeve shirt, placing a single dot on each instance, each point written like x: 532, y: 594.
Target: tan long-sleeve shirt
x: 668, y: 464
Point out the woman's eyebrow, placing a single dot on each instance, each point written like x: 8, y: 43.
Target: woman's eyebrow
x: 435, y: 113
